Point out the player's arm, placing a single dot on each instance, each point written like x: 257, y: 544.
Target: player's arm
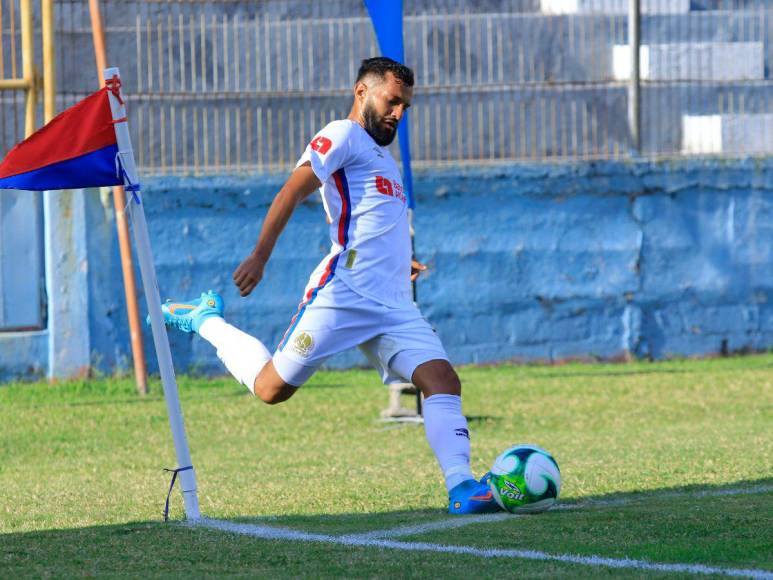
x: 302, y: 183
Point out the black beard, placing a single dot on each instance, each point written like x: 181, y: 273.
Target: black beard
x: 380, y: 135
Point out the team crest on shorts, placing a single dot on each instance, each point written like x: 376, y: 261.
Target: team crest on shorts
x: 303, y: 343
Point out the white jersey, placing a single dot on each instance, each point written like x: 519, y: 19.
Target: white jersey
x: 364, y: 200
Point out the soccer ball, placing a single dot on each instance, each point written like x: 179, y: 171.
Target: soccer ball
x: 525, y: 479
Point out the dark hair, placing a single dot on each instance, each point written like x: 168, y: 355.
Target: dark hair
x: 381, y: 65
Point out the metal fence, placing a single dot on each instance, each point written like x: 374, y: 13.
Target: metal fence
x: 236, y: 85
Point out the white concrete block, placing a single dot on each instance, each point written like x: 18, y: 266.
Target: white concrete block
x: 612, y: 6
x: 702, y: 134
x: 716, y: 61
x: 738, y: 133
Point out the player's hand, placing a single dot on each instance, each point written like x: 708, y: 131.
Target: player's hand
x: 416, y: 269
x: 249, y: 274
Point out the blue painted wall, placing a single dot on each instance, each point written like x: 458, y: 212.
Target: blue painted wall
x: 536, y: 263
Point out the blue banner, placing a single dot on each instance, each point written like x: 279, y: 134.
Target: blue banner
x: 387, y: 18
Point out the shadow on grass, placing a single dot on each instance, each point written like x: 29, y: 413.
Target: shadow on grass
x: 697, y: 492
x: 688, y: 520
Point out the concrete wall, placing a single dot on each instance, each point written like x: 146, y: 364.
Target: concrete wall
x: 529, y: 262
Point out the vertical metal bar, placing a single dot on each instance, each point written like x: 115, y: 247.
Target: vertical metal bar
x: 2, y: 44
x: 331, y: 52
x: 149, y: 52
x: 160, y: 52
x: 28, y: 66
x: 49, y: 59
x: 479, y: 132
x: 213, y: 26
x: 634, y: 85
x: 291, y: 133
x: 267, y: 51
x: 227, y: 135
x: 468, y: 47
x: 269, y: 134
x: 181, y: 50
x: 259, y: 137
x: 235, y: 38
x: 489, y: 50
x: 289, y: 53
x: 192, y: 40
x: 247, y: 124
x: 522, y: 129
x: 253, y: 49
x: 205, y: 134
x: 12, y: 16
x: 203, y: 52
x: 282, y: 133
x: 151, y: 136
x: 299, y: 55
x: 184, y: 142
x: 310, y: 42
x: 170, y: 61
x: 173, y: 125
x: 196, y: 138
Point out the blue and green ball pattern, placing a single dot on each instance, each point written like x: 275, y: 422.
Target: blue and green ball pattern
x: 525, y: 479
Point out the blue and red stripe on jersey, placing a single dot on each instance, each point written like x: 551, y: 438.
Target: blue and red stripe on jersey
x: 344, y: 220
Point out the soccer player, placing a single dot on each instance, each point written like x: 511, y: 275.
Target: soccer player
x: 360, y: 294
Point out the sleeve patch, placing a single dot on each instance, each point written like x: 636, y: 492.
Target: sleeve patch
x: 321, y: 144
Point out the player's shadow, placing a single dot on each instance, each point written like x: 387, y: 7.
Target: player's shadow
x: 706, y: 504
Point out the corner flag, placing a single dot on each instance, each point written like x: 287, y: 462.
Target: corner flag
x: 76, y: 149
x: 88, y: 145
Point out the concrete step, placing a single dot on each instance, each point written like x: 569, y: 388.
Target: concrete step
x: 723, y: 61
x: 744, y: 133
x: 612, y: 6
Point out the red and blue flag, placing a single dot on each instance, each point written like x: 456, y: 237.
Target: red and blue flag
x: 76, y: 149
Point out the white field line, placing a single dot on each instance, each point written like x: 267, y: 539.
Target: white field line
x: 459, y: 522
x: 271, y: 533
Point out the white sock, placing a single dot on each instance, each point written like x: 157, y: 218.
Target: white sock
x: 449, y: 437
x: 243, y: 355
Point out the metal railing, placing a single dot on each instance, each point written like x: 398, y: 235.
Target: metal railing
x: 238, y: 86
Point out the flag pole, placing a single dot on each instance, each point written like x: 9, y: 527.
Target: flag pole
x: 125, y: 161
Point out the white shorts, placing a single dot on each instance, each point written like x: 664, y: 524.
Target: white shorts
x: 335, y: 318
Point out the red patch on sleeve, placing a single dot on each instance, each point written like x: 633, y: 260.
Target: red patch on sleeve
x: 321, y: 145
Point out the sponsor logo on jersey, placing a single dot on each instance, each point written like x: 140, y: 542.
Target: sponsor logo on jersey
x: 378, y: 152
x: 321, y: 144
x: 388, y: 187
x: 303, y: 343
x: 462, y: 433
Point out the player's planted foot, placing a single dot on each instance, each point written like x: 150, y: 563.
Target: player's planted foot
x: 188, y: 316
x: 472, y: 497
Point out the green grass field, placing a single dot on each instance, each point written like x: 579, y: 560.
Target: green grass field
x: 667, y: 463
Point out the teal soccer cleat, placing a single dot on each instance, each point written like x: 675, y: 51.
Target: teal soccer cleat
x: 472, y: 497
x: 188, y: 316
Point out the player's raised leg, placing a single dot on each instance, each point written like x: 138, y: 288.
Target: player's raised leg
x: 245, y: 357
x: 449, y: 436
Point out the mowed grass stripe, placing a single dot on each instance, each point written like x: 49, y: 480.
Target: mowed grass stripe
x: 455, y: 522
x: 734, y: 532
x: 88, y: 456
x: 271, y: 533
